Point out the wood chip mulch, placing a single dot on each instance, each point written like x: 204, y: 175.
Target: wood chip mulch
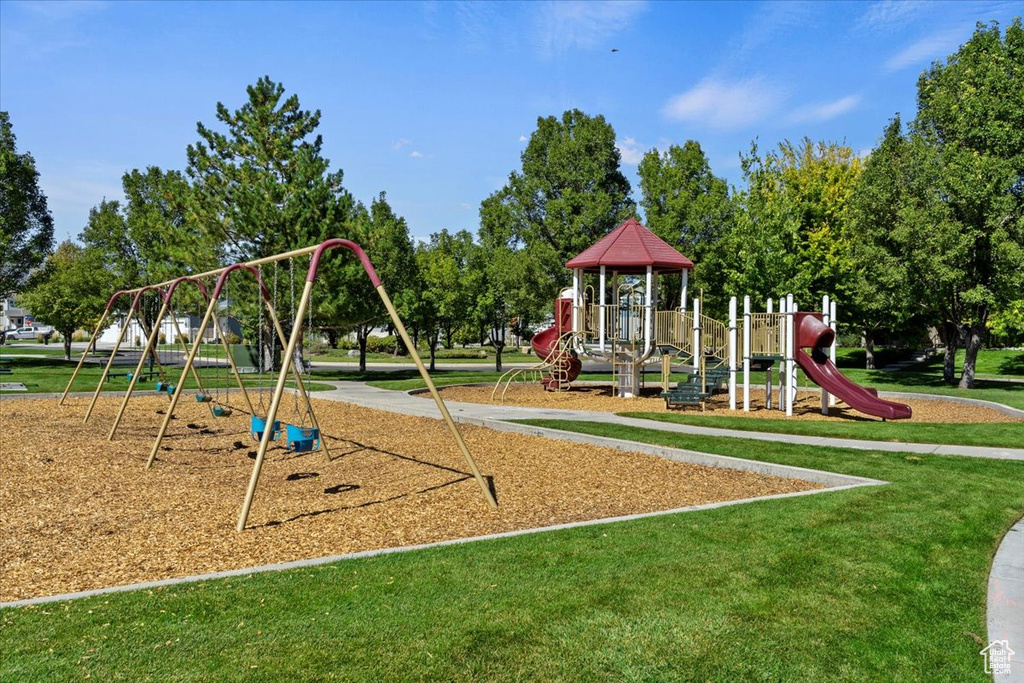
x: 78, y: 512
x: 806, y: 407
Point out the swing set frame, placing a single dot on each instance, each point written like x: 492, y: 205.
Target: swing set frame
x: 290, y: 344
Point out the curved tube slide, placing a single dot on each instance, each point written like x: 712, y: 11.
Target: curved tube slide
x: 545, y: 345
x: 812, y: 333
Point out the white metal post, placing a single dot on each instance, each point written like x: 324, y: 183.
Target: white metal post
x: 686, y: 286
x: 746, y: 354
x: 575, y: 299
x: 600, y: 313
x: 790, y: 349
x: 835, y: 336
x: 782, y: 351
x: 732, y: 353
x: 696, y: 334
x: 825, y: 318
x: 648, y: 313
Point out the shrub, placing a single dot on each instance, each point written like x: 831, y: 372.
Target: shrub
x: 381, y: 344
x: 182, y: 339
x: 80, y: 336
x: 162, y: 339
x: 232, y: 338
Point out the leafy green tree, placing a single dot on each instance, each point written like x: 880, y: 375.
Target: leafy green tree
x: 26, y: 227
x: 150, y: 237
x: 969, y: 111
x: 263, y: 187
x: 69, y: 291
x: 444, y: 297
x: 791, y: 231
x: 900, y: 226
x: 569, y: 193
x: 685, y: 204
x: 347, y: 298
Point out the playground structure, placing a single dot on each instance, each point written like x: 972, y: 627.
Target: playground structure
x: 300, y: 436
x: 619, y: 322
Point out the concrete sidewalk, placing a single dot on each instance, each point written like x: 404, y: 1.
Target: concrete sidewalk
x: 500, y: 417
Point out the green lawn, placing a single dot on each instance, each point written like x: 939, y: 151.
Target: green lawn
x: 443, y: 356
x: 1001, y: 435
x: 878, y: 583
x: 51, y: 375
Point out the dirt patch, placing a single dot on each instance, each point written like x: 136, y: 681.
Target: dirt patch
x: 806, y: 407
x: 78, y: 512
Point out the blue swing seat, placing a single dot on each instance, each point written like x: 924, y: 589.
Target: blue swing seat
x: 258, y: 425
x: 221, y: 411
x: 169, y: 388
x: 203, y: 398
x: 160, y: 385
x: 302, y: 439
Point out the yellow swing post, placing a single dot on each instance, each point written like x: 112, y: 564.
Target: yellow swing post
x: 92, y: 344
x: 287, y: 362
x: 138, y: 369
x: 184, y: 373
x: 154, y: 335
x: 113, y: 354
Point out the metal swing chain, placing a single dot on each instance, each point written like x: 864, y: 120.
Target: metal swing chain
x: 291, y: 276
x: 261, y: 304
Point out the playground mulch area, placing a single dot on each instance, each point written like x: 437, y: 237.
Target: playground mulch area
x: 78, y: 512
x: 807, y: 405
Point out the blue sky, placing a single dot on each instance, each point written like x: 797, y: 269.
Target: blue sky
x: 433, y: 102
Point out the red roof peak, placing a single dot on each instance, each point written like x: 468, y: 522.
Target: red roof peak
x: 630, y: 248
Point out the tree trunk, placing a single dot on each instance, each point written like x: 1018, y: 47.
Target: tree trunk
x: 498, y: 348
x: 498, y: 340
x: 332, y: 337
x: 362, y: 335
x: 448, y: 336
x: 66, y: 336
x: 952, y: 337
x: 869, y: 351
x: 975, y: 334
x: 432, y: 340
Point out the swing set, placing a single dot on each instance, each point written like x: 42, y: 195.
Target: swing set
x: 302, y: 432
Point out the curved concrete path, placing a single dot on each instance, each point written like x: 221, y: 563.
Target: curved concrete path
x: 1006, y: 602
x: 499, y: 417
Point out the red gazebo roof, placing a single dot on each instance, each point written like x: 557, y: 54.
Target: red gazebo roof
x: 629, y: 249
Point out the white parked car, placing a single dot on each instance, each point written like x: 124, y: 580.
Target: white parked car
x: 29, y: 332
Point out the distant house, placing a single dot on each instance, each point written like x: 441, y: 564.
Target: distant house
x: 12, y: 316
x: 187, y: 324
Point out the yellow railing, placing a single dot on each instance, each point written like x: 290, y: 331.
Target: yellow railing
x: 674, y: 328
x: 714, y: 337
x: 764, y: 333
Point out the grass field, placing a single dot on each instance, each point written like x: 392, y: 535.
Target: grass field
x: 877, y: 583
x: 1001, y: 435
x: 51, y: 375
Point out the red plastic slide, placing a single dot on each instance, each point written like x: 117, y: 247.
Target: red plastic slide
x: 812, y: 333
x: 545, y: 345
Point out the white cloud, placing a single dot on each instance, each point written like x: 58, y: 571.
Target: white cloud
x: 888, y: 14
x: 630, y: 150
x: 400, y: 143
x: 725, y: 106
x: 826, y: 111
x: 564, y: 25
x: 522, y: 138
x: 927, y: 49
x: 416, y: 154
